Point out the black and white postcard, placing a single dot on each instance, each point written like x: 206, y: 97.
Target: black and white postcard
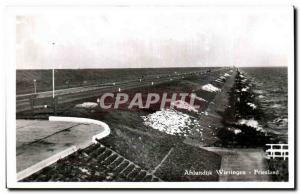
x: 145, y: 97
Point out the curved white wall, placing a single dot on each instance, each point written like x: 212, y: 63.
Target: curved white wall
x: 106, y: 128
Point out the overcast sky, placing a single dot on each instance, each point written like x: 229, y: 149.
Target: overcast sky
x: 162, y: 37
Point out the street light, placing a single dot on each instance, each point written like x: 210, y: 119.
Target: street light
x: 53, y: 74
x: 53, y: 81
x: 34, y: 85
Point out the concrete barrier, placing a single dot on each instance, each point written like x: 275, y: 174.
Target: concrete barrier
x: 47, y: 162
x: 85, y: 121
x: 54, y: 158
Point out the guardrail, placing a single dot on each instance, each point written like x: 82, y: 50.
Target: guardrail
x: 277, y: 151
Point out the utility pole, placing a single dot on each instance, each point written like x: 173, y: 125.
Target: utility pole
x: 53, y: 74
x: 53, y: 81
x: 34, y: 84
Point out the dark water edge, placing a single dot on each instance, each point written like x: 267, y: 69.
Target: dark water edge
x: 270, y: 86
x: 256, y: 136
x: 258, y: 98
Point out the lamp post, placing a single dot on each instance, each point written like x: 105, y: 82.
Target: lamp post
x: 53, y: 74
x: 53, y: 81
x: 34, y: 85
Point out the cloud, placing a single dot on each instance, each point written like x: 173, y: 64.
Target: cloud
x: 160, y: 38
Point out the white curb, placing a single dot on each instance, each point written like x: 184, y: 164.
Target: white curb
x: 47, y: 162
x: 105, y: 133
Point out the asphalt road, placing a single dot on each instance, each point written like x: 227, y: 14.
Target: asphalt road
x: 24, y: 101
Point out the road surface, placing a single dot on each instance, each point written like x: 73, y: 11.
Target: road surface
x: 25, y: 102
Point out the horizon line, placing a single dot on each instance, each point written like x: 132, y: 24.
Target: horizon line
x: 246, y: 66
